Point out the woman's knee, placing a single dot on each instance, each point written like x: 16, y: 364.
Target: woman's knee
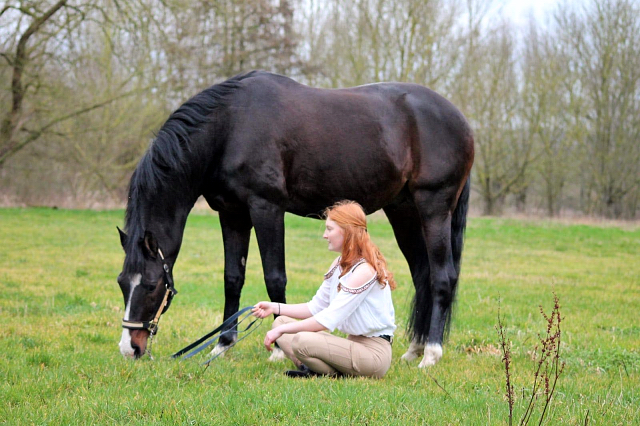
x: 302, y: 342
x: 281, y: 320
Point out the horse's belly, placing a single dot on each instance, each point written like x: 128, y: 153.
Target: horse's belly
x: 310, y: 191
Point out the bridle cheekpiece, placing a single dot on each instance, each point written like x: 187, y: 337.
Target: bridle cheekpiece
x: 170, y: 291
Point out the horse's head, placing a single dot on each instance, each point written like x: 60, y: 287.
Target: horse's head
x: 147, y: 287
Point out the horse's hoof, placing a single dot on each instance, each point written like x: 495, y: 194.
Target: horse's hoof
x: 409, y: 356
x: 218, y: 350
x: 432, y: 354
x: 415, y: 350
x: 277, y: 355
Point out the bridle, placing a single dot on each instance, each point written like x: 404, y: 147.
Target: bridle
x: 200, y: 344
x: 170, y: 291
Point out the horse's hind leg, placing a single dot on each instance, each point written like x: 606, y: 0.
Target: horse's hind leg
x: 407, y: 227
x: 435, y: 208
x: 236, y: 232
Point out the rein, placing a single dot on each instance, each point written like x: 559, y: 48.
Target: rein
x: 202, y: 343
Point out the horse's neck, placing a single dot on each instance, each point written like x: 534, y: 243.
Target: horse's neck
x: 168, y: 222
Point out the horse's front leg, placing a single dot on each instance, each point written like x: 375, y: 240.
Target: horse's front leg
x: 236, y: 232
x: 268, y: 220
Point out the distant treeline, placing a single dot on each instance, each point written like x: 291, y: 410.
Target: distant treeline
x: 555, y: 106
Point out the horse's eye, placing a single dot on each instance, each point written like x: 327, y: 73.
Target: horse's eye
x: 148, y: 287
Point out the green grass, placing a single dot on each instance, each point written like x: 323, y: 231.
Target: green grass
x: 60, y: 311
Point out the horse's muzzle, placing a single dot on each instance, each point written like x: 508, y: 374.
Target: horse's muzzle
x: 139, y: 340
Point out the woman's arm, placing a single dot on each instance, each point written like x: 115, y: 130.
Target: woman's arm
x: 298, y: 311
x: 309, y: 324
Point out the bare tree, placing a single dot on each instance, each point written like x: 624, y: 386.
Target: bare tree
x: 97, y: 77
x: 486, y: 89
x: 204, y: 42
x: 545, y: 107
x: 365, y: 41
x: 36, y: 31
x: 604, y: 39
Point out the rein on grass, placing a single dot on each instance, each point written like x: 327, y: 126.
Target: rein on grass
x: 209, y: 338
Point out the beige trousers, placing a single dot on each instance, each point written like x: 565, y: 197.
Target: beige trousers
x: 325, y: 353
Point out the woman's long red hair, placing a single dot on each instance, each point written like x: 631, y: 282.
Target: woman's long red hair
x: 350, y: 216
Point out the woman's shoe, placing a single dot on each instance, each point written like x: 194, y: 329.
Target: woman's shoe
x: 303, y: 372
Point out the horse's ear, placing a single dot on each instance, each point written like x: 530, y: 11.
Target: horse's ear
x: 150, y: 245
x: 123, y: 237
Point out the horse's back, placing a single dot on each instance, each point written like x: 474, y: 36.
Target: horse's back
x: 390, y: 107
x: 318, y: 146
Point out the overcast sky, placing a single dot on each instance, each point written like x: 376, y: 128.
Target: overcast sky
x: 518, y: 10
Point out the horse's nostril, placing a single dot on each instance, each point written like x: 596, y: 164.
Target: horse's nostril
x: 136, y: 350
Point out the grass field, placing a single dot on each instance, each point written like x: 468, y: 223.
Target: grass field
x: 60, y: 311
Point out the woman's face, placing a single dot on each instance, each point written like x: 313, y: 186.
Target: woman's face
x: 334, y: 235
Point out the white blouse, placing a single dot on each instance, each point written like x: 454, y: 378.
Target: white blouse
x: 363, y: 311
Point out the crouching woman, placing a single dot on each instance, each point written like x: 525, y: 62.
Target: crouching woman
x: 354, y: 298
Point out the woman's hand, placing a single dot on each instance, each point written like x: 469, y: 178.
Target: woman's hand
x: 271, y: 337
x: 264, y: 309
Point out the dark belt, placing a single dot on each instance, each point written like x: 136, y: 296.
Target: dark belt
x: 387, y: 338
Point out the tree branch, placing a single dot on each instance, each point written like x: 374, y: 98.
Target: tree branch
x: 14, y: 146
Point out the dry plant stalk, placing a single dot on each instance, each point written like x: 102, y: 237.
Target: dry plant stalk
x: 548, y: 366
x: 505, y: 345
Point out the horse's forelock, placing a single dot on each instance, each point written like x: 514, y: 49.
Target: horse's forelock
x: 134, y: 259
x: 134, y: 228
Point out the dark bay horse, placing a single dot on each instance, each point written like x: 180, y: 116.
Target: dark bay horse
x: 259, y: 145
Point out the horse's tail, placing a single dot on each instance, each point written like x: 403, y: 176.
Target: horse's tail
x: 458, y: 225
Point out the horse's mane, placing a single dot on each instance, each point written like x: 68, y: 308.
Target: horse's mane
x: 167, y: 159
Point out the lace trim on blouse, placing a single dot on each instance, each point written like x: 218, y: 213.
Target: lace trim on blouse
x: 363, y: 287
x: 332, y: 270
x: 360, y: 289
